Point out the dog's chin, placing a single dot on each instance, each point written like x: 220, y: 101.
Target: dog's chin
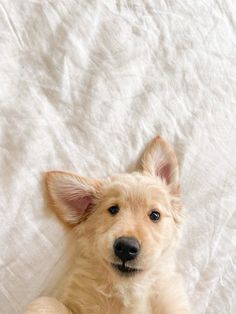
x: 125, y: 270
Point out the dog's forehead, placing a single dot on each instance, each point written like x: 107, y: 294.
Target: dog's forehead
x: 137, y: 187
x: 137, y: 179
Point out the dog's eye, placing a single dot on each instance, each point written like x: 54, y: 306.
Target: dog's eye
x: 114, y: 209
x: 154, y: 215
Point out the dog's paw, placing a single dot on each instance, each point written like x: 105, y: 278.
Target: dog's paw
x: 46, y: 305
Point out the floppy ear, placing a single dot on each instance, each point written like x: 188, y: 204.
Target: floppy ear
x: 159, y: 159
x: 73, y: 196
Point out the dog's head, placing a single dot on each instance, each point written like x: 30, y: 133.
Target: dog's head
x: 126, y: 222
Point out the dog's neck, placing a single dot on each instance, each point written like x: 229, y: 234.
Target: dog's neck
x: 94, y: 285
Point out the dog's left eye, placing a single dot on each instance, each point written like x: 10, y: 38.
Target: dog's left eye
x: 114, y: 209
x: 154, y: 215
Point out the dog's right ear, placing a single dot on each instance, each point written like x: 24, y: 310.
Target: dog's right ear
x: 159, y: 160
x: 72, y: 196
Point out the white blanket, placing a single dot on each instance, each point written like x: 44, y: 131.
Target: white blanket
x: 84, y: 85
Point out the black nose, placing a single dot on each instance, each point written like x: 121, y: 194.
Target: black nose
x: 126, y: 248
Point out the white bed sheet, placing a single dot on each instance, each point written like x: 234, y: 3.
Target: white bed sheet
x: 84, y: 85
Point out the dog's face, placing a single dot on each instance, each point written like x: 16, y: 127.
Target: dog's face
x: 126, y: 222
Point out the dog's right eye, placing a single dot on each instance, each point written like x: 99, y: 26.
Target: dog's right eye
x: 113, y: 210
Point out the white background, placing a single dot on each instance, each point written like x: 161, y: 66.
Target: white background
x: 84, y: 85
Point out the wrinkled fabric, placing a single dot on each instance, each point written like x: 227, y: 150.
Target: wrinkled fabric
x: 84, y: 85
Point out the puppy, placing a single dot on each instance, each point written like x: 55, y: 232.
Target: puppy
x: 127, y: 227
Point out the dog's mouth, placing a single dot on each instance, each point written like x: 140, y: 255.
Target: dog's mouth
x: 126, y: 270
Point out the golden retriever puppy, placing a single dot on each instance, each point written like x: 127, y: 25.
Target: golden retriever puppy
x: 127, y: 227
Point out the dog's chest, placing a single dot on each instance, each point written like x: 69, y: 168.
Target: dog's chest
x: 113, y: 307
x: 97, y: 303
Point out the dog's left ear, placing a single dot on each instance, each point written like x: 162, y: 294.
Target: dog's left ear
x: 159, y: 159
x: 73, y: 197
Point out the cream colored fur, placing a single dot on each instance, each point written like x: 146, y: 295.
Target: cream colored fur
x: 94, y: 285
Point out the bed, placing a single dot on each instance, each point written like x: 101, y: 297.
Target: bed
x: 84, y: 86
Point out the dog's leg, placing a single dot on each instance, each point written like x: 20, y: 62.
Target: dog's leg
x: 177, y: 307
x: 46, y: 305
x: 172, y: 297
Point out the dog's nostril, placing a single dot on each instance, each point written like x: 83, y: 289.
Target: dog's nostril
x: 119, y: 248
x: 133, y: 250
